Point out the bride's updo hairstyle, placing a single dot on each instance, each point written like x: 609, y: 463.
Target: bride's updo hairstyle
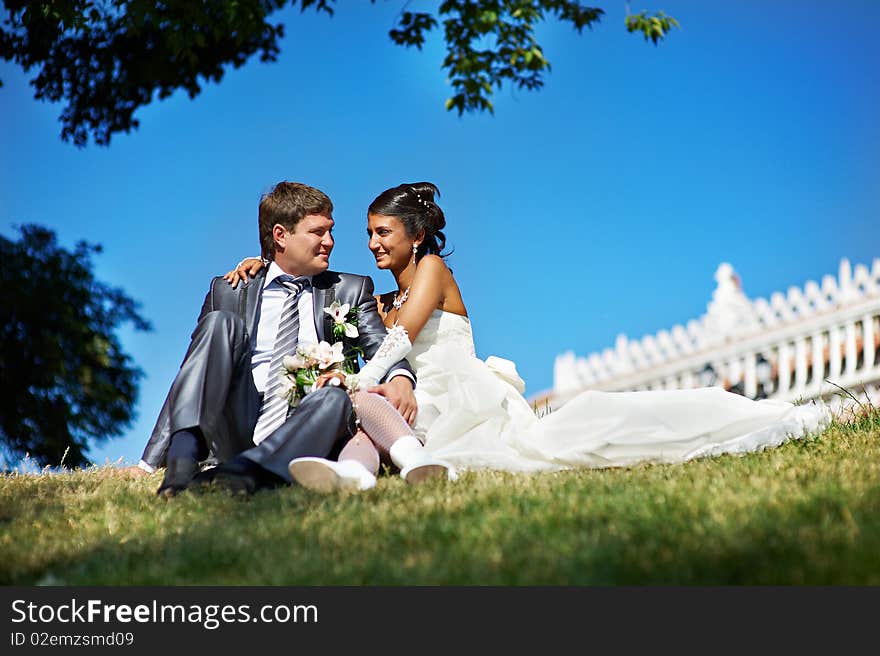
x: 414, y: 205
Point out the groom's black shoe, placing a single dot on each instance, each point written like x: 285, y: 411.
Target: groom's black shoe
x: 241, y: 475
x: 179, y: 473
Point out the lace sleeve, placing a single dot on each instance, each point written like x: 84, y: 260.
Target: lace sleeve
x: 393, y: 348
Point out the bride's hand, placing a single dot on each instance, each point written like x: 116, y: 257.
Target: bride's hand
x: 399, y: 392
x: 249, y: 266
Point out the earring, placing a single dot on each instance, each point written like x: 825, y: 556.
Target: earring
x: 415, y: 248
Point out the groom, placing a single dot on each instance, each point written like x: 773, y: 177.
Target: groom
x: 223, y: 402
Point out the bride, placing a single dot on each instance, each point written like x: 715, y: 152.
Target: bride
x: 471, y: 413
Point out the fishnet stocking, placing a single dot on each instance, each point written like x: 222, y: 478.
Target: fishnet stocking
x: 380, y: 420
x: 381, y: 426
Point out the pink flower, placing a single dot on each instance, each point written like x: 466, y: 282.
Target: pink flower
x: 327, y: 355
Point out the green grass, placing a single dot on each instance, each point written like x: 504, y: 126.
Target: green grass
x: 805, y: 513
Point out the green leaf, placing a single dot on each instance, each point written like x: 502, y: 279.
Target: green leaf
x: 488, y: 42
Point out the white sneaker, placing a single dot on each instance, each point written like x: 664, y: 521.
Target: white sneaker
x: 417, y: 473
x: 415, y: 464
x: 324, y: 475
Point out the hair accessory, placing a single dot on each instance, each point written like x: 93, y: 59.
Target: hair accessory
x: 420, y: 200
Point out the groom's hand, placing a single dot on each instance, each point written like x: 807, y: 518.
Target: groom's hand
x: 399, y: 393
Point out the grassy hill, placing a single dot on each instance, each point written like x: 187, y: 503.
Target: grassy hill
x: 805, y: 513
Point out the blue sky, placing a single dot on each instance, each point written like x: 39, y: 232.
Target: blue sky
x: 600, y: 205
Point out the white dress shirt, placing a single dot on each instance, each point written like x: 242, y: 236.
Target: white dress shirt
x: 274, y: 296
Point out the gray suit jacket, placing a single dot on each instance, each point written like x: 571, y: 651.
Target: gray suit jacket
x: 244, y: 301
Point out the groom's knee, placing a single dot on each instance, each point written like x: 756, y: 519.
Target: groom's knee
x: 328, y: 397
x: 334, y: 404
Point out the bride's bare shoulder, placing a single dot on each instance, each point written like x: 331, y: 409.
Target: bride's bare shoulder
x: 433, y: 260
x: 434, y: 265
x: 435, y: 269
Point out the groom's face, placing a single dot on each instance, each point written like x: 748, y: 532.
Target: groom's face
x: 306, y: 250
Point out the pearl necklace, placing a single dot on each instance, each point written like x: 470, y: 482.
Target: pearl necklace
x: 397, y: 303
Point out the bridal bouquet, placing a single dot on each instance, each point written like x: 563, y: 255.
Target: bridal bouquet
x: 301, y: 370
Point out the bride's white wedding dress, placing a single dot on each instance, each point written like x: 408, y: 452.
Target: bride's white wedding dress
x: 472, y: 414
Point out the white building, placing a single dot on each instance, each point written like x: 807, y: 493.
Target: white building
x: 803, y: 344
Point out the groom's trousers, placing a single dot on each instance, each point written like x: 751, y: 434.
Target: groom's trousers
x: 214, y: 391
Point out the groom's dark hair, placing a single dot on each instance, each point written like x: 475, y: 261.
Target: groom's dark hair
x: 287, y: 204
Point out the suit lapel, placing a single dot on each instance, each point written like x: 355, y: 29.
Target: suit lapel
x: 318, y: 296
x: 323, y: 295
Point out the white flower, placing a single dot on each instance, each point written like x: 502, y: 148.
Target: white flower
x: 327, y: 355
x: 294, y: 362
x: 309, y: 354
x: 339, y: 312
x: 287, y: 384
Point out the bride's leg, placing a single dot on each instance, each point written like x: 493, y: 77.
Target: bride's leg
x: 361, y: 449
x: 390, y: 433
x: 355, y: 467
x: 380, y: 420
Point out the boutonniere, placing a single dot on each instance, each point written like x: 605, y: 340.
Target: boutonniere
x: 345, y: 319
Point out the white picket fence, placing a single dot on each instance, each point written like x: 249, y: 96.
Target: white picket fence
x: 798, y: 345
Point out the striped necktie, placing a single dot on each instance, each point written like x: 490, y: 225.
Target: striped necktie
x: 274, y: 409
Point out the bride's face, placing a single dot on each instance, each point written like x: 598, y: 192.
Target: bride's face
x: 389, y: 243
